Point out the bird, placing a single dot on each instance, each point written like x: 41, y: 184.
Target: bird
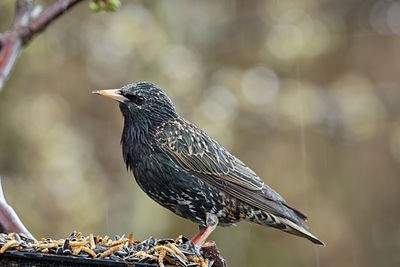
x: 183, y: 169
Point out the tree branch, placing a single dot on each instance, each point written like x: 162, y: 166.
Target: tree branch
x: 8, y: 56
x: 24, y: 29
x: 9, y: 220
x: 40, y: 23
x: 22, y: 16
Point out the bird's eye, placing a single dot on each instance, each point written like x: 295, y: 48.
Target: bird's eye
x: 138, y: 100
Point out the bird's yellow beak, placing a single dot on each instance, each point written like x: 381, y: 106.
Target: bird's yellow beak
x: 111, y: 93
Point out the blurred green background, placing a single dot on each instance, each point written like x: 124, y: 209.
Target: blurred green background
x: 305, y: 92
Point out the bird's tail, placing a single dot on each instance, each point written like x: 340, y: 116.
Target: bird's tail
x: 294, y: 229
x: 263, y: 218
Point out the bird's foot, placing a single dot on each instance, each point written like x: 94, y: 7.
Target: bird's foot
x: 202, y: 236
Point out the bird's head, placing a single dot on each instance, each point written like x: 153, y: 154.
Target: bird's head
x: 143, y: 104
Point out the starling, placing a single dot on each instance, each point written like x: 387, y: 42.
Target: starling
x: 186, y: 171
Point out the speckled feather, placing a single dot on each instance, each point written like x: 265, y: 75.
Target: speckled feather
x: 183, y: 169
x: 197, y: 153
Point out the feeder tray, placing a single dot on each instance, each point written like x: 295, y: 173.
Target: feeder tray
x: 25, y: 259
x: 78, y: 250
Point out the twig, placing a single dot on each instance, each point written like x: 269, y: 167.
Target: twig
x: 12, y: 43
x: 23, y: 13
x: 24, y: 29
x: 211, y: 252
x: 10, y: 222
x: 40, y: 23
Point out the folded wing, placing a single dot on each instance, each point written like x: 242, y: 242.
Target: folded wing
x: 196, y: 152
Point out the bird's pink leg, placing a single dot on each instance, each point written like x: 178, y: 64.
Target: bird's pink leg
x: 202, y: 236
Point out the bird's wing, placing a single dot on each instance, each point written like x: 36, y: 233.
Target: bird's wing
x: 196, y: 152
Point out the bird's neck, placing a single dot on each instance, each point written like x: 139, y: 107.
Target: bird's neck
x: 135, y: 141
x: 135, y: 132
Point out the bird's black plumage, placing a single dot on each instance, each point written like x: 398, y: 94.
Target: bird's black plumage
x: 183, y: 169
